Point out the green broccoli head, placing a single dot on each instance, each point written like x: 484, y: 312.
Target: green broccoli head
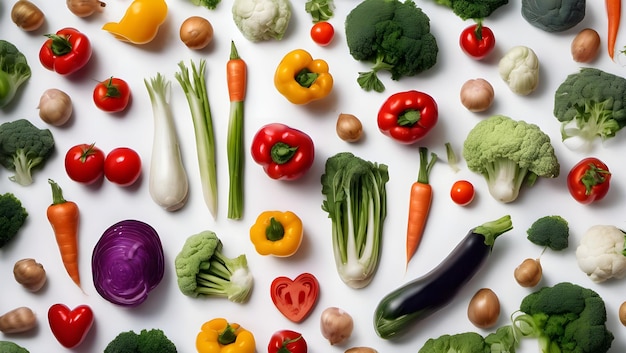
x: 394, y: 35
x: 203, y: 270
x: 590, y: 104
x: 550, y: 231
x: 147, y: 341
x: 508, y: 152
x: 14, y: 71
x: 12, y: 217
x: 466, y: 342
x: 11, y: 347
x: 567, y: 316
x: 24, y: 147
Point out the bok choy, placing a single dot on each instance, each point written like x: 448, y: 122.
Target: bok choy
x: 356, y: 202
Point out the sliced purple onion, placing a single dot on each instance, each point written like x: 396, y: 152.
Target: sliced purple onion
x: 127, y: 262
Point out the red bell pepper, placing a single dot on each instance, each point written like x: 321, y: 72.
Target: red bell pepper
x: 408, y: 116
x: 65, y: 52
x: 589, y: 180
x: 284, y: 152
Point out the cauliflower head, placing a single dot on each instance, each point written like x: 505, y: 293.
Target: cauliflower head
x: 519, y: 68
x: 601, y: 253
x: 260, y: 20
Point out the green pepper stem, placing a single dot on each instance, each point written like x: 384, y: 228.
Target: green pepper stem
x: 275, y: 231
x: 281, y: 152
x: 227, y: 336
x: 306, y: 78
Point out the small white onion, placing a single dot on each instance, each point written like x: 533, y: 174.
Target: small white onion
x: 55, y: 107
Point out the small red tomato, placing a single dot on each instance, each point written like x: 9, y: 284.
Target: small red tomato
x: 322, y: 33
x: 477, y: 41
x: 287, y: 341
x: 462, y: 192
x: 589, y: 180
x: 84, y: 163
x: 112, y: 95
x: 122, y: 166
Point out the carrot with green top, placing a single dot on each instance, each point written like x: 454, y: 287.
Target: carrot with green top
x: 63, y: 216
x: 614, y: 13
x: 236, y: 78
x: 420, y: 200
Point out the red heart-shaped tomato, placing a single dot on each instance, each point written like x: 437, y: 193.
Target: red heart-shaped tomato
x: 295, y: 298
x: 70, y: 326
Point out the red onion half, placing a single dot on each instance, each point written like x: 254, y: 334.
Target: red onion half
x: 127, y: 262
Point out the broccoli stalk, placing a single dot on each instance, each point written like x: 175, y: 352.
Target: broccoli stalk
x: 508, y: 153
x: 203, y: 270
x: 12, y: 217
x: 14, y: 71
x: 24, y: 147
x: 146, y: 341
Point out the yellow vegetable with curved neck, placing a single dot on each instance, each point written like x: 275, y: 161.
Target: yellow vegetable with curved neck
x: 220, y: 336
x: 302, y: 79
x: 277, y: 233
x: 140, y: 23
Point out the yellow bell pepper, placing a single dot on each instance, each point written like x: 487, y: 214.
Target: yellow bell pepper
x: 140, y: 23
x: 277, y: 233
x: 301, y: 79
x: 220, y: 336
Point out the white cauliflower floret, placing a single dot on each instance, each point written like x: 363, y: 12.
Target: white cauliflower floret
x: 260, y: 20
x: 519, y: 68
x: 601, y: 253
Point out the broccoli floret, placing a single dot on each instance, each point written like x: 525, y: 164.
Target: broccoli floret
x: 14, y: 71
x: 565, y: 318
x: 394, y: 35
x: 203, y: 270
x: 12, y: 217
x: 209, y: 4
x: 507, y: 153
x: 24, y: 147
x: 550, y: 231
x: 590, y: 104
x: 473, y: 9
x: 466, y: 342
x: 147, y: 341
x: 11, y: 347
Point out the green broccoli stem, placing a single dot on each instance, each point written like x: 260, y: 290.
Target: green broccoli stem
x: 369, y: 81
x: 592, y: 120
x: 23, y: 165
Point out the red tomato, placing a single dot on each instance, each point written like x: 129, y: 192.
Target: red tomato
x: 295, y: 298
x: 322, y: 33
x: 589, y: 180
x: 112, y: 95
x: 70, y: 326
x: 122, y: 166
x: 477, y: 41
x: 287, y: 341
x: 84, y: 163
x: 462, y: 192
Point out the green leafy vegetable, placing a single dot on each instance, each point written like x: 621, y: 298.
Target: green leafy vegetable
x: 508, y: 153
x: 11, y: 347
x: 465, y: 342
x: 146, y: 341
x: 195, y: 89
x: 209, y: 4
x: 12, y: 217
x: 590, y: 104
x: 23, y: 147
x: 356, y: 203
x: 14, y: 71
x: 203, y: 270
x: 550, y: 231
x: 473, y: 9
x: 320, y: 10
x: 395, y: 36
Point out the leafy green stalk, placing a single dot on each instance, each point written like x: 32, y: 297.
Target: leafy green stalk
x: 235, y: 147
x: 356, y: 204
x: 195, y: 90
x: 320, y: 10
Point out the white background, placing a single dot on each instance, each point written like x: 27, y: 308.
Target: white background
x: 181, y: 317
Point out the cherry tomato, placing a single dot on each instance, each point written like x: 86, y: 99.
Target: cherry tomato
x: 112, y: 95
x: 84, y: 163
x: 589, y: 180
x: 296, y: 298
x: 322, y: 33
x: 122, y: 166
x: 287, y: 341
x: 462, y: 192
x: 477, y: 41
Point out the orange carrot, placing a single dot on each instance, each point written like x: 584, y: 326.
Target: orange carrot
x: 613, y: 12
x: 420, y: 199
x: 236, y: 72
x: 63, y: 217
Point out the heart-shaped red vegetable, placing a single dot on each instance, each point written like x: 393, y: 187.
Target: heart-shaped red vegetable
x: 295, y: 298
x: 70, y: 326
